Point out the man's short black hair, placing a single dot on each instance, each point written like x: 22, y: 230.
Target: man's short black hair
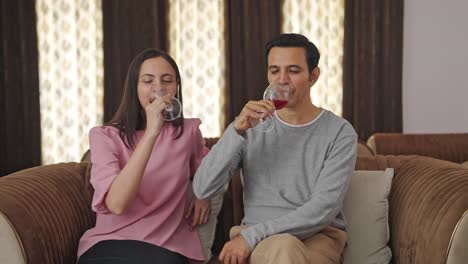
x: 295, y: 40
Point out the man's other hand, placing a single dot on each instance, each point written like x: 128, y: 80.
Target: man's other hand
x: 235, y: 251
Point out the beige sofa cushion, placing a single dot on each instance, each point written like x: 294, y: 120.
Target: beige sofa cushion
x: 207, y: 231
x: 366, y: 212
x: 458, y: 248
x: 11, y: 250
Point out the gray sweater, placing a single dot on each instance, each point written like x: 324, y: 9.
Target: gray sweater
x: 295, y: 177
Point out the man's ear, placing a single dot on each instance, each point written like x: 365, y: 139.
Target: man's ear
x: 314, y: 75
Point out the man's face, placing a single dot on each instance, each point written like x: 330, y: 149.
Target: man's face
x: 288, y: 65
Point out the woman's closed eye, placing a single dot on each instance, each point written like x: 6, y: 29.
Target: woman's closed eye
x: 167, y: 79
x: 147, y: 80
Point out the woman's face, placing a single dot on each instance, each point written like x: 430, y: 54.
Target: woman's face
x: 156, y: 75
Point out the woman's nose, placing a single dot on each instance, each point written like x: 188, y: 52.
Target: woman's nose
x: 160, y: 90
x: 155, y: 86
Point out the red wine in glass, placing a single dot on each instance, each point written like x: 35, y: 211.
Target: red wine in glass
x: 279, y: 103
x: 279, y: 95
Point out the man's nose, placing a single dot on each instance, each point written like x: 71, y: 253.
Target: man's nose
x: 284, y: 78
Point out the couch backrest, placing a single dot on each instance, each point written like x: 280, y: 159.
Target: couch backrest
x: 451, y: 147
x: 363, y: 150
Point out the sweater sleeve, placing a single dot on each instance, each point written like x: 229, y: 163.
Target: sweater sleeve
x: 219, y: 165
x: 199, y: 149
x: 326, y: 201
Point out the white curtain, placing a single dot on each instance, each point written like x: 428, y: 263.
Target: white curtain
x: 70, y: 75
x: 196, y: 42
x: 321, y: 21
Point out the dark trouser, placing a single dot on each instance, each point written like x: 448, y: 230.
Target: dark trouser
x: 129, y: 251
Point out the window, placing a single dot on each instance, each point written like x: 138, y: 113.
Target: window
x: 322, y: 22
x: 70, y: 75
x: 71, y: 64
x: 196, y: 42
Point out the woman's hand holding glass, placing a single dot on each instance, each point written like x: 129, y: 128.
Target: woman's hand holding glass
x: 154, y: 109
x: 163, y: 107
x: 173, y: 108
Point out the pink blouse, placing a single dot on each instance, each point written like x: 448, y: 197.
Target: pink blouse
x: 156, y: 215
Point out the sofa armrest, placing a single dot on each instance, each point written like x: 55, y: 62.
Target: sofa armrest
x: 427, y: 200
x: 49, y: 208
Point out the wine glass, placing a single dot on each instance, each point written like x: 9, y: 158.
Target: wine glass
x: 279, y: 95
x: 173, y: 109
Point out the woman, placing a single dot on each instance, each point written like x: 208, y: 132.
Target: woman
x: 141, y: 172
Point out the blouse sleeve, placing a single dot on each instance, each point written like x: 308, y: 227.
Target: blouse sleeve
x: 200, y: 150
x: 105, y: 166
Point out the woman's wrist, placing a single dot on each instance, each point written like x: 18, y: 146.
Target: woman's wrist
x: 150, y: 135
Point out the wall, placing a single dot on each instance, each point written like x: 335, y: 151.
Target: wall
x: 435, y: 66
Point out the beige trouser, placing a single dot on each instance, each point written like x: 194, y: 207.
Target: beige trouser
x: 324, y: 247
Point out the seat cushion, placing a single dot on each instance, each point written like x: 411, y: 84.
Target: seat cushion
x: 11, y: 249
x: 207, y: 231
x: 366, y: 213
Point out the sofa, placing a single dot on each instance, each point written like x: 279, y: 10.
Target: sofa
x: 449, y: 146
x: 44, y: 211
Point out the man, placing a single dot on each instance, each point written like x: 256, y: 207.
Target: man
x: 295, y: 177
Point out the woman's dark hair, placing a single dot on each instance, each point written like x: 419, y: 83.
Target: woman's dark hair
x: 130, y: 115
x: 295, y: 40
